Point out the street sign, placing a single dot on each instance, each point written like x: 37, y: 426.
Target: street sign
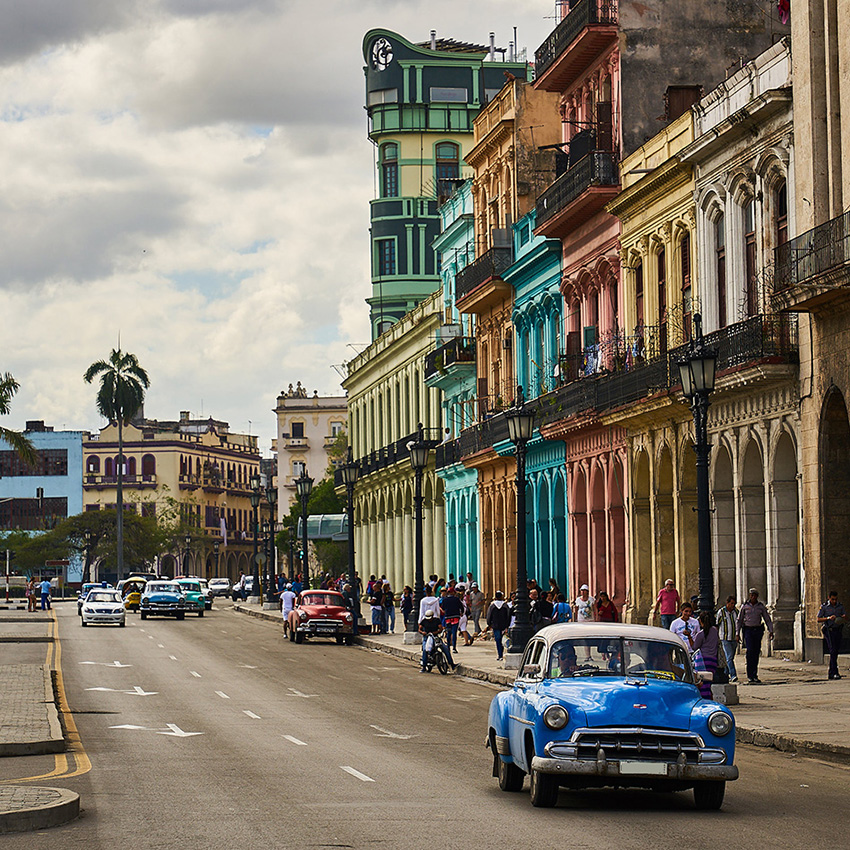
x: 261, y: 558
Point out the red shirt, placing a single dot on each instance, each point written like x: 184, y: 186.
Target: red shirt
x: 669, y: 600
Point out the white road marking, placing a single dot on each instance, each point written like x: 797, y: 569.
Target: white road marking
x: 295, y: 741
x: 137, y: 691
x: 161, y: 646
x: 296, y: 693
x: 251, y: 714
x: 196, y: 675
x: 222, y: 694
x: 466, y: 699
x: 130, y: 726
x: 361, y: 776
x: 151, y: 637
x: 447, y: 719
x: 173, y: 657
x: 248, y: 666
x: 385, y: 733
x: 388, y: 699
x: 104, y: 664
x: 334, y: 677
x: 177, y: 732
x: 385, y: 669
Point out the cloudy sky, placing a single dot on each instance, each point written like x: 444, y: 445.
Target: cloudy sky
x: 194, y: 175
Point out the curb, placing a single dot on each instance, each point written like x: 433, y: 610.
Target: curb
x: 40, y: 639
x: 33, y: 807
x: 55, y: 743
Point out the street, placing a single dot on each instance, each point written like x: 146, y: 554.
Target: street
x: 216, y: 732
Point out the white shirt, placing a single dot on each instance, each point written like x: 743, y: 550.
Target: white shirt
x: 584, y: 609
x: 678, y: 628
x: 429, y: 603
x: 288, y: 600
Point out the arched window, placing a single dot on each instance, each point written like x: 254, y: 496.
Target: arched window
x: 687, y: 296
x: 750, y: 282
x: 448, y: 161
x: 720, y: 268
x: 389, y: 170
x: 93, y: 465
x: 148, y: 465
x: 109, y: 468
x: 780, y: 201
x: 662, y: 302
x: 130, y: 464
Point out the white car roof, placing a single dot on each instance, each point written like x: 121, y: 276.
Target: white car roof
x: 563, y: 631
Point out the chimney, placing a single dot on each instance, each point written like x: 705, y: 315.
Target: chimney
x: 492, y: 47
x: 184, y: 415
x: 433, y: 39
x: 511, y: 55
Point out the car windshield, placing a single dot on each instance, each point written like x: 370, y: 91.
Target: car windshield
x: 163, y: 587
x: 651, y: 659
x: 321, y: 599
x: 191, y: 586
x: 218, y: 581
x: 101, y: 596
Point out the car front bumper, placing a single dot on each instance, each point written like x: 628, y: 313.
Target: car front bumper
x: 325, y: 628
x: 635, y: 771
x: 115, y: 619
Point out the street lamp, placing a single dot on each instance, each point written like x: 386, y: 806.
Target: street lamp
x: 291, y: 535
x: 696, y: 370
x: 89, y: 537
x: 304, y: 486
x: 419, y: 451
x: 520, y: 429
x: 256, y: 495
x: 217, y: 553
x: 350, y: 471
x: 188, y: 541
x: 271, y: 498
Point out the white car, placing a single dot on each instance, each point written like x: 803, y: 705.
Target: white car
x: 220, y: 586
x: 103, y: 605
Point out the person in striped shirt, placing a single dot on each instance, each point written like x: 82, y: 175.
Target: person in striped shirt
x: 727, y: 627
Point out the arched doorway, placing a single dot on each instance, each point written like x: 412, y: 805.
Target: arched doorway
x: 643, y: 589
x: 665, y: 541
x: 784, y: 498
x: 835, y: 497
x: 752, y: 522
x: 725, y: 555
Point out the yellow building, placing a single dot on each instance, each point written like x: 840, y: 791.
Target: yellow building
x: 197, y: 468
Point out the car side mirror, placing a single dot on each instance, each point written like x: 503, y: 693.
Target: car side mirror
x: 705, y: 675
x: 531, y: 670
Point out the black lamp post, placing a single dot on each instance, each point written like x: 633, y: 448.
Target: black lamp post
x: 304, y: 486
x: 291, y: 551
x: 188, y: 541
x: 520, y: 429
x: 419, y: 451
x: 696, y: 369
x: 89, y: 537
x: 271, y: 498
x: 217, y: 553
x: 256, y: 495
x: 350, y: 470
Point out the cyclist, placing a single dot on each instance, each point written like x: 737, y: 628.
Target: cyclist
x: 430, y: 626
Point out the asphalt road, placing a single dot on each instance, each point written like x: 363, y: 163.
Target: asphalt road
x: 215, y: 732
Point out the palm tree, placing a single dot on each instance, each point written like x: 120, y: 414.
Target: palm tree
x: 122, y: 391
x: 25, y: 449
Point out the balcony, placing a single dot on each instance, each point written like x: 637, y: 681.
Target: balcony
x: 457, y: 350
x: 487, y: 267
x: 812, y: 269
x: 576, y: 195
x: 189, y: 482
x: 136, y: 482
x: 296, y: 444
x: 589, y: 28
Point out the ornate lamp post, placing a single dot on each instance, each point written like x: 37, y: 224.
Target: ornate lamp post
x: 350, y: 470
x: 520, y: 429
x: 271, y: 498
x: 256, y: 495
x: 217, y: 553
x: 419, y: 451
x: 696, y: 369
x: 291, y: 535
x: 304, y: 486
x: 188, y: 542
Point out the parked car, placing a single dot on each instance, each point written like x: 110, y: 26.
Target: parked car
x: 163, y: 598
x: 607, y: 704
x: 220, y: 586
x: 196, y: 598
x: 208, y: 594
x: 321, y: 613
x: 84, y: 592
x: 102, y: 605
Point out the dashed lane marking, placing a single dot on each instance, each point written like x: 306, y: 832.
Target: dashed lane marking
x: 160, y: 646
x: 196, y: 675
x: 251, y: 714
x: 361, y: 776
x: 446, y: 719
x: 173, y: 657
x: 388, y: 699
x: 295, y: 741
x: 222, y: 694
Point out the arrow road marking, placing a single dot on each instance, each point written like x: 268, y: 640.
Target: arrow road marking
x: 196, y: 675
x: 137, y: 691
x: 105, y: 664
x: 251, y: 714
x: 385, y: 733
x: 295, y: 741
x: 222, y: 694
x: 361, y: 776
x: 177, y: 732
x: 299, y: 694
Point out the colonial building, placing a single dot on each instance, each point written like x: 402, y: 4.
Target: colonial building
x: 192, y: 468
x: 421, y: 100
x: 810, y: 280
x: 307, y: 428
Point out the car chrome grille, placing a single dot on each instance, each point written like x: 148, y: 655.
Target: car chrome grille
x: 631, y: 744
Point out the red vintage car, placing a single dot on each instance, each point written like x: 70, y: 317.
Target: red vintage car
x: 321, y: 613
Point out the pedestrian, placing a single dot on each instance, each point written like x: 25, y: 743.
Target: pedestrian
x: 376, y: 600
x: 476, y: 607
x: 389, y: 609
x: 30, y: 591
x: 429, y: 603
x: 727, y: 627
x: 752, y: 618
x: 831, y: 617
x: 554, y: 590
x: 562, y: 611
x: 452, y: 610
x: 45, y: 595
x: 668, y: 602
x: 606, y: 610
x: 704, y: 644
x: 498, y: 619
x: 287, y: 603
x: 584, y: 608
x: 686, y: 626
x: 350, y: 596
x: 406, y: 604
x: 545, y: 609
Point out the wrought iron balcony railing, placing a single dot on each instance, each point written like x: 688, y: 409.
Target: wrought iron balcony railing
x: 582, y: 14
x: 598, y: 168
x: 823, y: 252
x: 458, y: 350
x: 492, y: 264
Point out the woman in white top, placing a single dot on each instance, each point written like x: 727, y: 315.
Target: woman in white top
x: 584, y: 607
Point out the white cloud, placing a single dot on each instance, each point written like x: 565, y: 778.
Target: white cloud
x: 195, y: 175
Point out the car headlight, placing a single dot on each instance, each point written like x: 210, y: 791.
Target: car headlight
x: 303, y: 615
x: 556, y: 717
x: 146, y: 602
x: 181, y: 602
x: 87, y: 610
x: 348, y: 618
x: 118, y: 611
x: 720, y: 724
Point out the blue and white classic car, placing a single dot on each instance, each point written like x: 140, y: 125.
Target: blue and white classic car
x: 164, y: 598
x: 608, y: 704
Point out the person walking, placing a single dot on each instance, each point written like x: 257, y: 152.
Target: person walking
x: 584, y: 608
x: 606, y: 611
x: 476, y: 607
x: 668, y: 602
x: 705, y: 642
x: 752, y: 618
x: 727, y: 628
x: 452, y: 610
x: 406, y: 604
x: 45, y: 595
x: 31, y: 595
x: 831, y: 617
x: 686, y: 626
x: 429, y: 603
x: 498, y: 619
x: 376, y: 601
x: 389, y: 609
x: 562, y: 611
x: 350, y: 596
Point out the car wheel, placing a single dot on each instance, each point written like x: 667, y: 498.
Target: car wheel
x: 511, y: 777
x: 349, y: 640
x: 544, y: 790
x: 299, y: 637
x: 442, y: 664
x: 143, y: 615
x: 83, y: 623
x: 709, y: 795
x: 123, y: 623
x: 339, y: 639
x: 181, y: 615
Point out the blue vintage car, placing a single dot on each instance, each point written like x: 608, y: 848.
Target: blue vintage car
x: 163, y: 598
x: 607, y: 704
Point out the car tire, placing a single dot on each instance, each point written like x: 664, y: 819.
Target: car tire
x: 299, y: 637
x: 123, y: 623
x: 143, y: 615
x: 83, y: 623
x: 181, y: 615
x: 442, y: 664
x: 201, y: 612
x: 511, y: 778
x: 708, y: 796
x: 544, y: 790
x: 349, y: 640
x: 339, y: 640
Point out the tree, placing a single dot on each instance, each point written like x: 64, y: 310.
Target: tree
x: 122, y: 391
x: 19, y: 443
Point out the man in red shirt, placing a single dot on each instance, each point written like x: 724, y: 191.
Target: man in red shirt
x: 668, y: 601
